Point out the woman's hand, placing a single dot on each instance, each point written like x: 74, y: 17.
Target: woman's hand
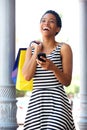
x: 47, y: 65
x: 37, y: 45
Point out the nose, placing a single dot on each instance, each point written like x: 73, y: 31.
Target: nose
x: 46, y: 22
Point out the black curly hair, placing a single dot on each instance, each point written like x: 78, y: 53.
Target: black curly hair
x: 58, y: 18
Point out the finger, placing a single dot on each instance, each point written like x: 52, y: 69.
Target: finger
x: 38, y: 61
x: 44, y: 59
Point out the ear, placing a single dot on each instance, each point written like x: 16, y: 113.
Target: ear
x: 58, y: 29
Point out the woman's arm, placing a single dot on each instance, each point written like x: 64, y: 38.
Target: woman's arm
x: 30, y: 63
x: 67, y: 63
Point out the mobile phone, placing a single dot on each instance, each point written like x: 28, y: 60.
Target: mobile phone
x: 41, y: 55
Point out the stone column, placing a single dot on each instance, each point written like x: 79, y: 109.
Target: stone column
x: 8, y: 106
x: 83, y: 58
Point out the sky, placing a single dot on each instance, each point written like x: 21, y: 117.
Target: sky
x: 28, y: 14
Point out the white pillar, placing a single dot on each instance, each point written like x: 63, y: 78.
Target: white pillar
x: 8, y: 106
x: 83, y: 63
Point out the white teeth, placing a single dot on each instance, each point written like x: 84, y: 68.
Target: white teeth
x: 46, y: 28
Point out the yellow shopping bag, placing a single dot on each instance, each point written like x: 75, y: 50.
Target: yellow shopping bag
x: 21, y: 83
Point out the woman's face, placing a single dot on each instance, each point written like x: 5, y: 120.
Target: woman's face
x: 48, y: 25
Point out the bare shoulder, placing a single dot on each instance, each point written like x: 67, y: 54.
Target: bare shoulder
x: 66, y: 48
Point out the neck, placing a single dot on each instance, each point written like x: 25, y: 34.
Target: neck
x: 48, y: 42
x: 49, y: 46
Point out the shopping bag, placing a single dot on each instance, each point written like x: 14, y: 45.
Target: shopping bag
x: 18, y: 79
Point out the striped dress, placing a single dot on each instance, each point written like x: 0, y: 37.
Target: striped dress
x: 49, y: 107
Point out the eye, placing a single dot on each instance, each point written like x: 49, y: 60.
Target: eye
x: 43, y: 20
x: 52, y: 21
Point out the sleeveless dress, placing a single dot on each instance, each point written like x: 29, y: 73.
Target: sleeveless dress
x: 49, y: 107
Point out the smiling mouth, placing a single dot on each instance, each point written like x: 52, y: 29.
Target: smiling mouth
x: 46, y: 29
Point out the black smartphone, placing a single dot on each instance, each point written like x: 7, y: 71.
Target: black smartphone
x: 39, y: 56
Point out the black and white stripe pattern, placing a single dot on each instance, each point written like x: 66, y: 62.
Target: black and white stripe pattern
x: 46, y: 79
x: 49, y: 108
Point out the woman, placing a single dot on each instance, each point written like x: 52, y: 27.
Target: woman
x: 49, y: 107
